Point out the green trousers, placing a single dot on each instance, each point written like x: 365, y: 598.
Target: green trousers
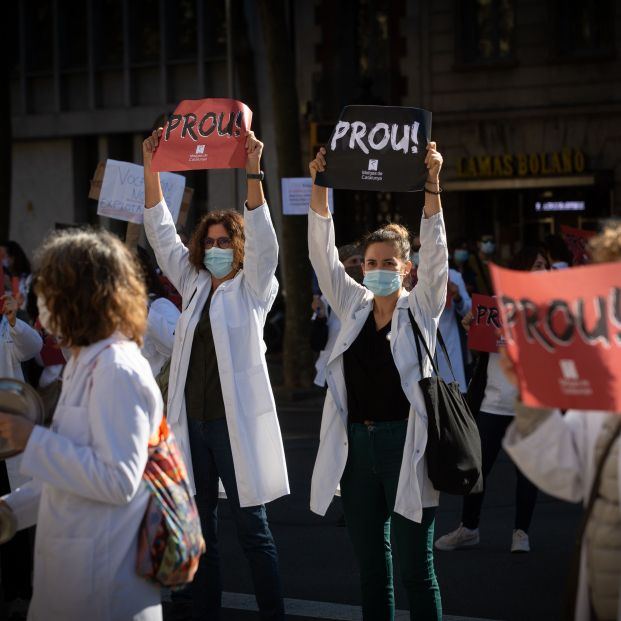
x: 368, y: 491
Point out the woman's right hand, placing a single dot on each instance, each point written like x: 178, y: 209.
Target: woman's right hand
x: 148, y: 147
x: 467, y: 321
x: 318, y: 164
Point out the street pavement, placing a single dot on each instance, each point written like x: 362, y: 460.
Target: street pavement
x: 318, y: 566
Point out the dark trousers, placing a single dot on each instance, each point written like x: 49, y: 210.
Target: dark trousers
x: 492, y: 428
x: 15, y: 556
x: 212, y: 459
x: 368, y: 490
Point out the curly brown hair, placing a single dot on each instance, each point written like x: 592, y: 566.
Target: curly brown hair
x: 233, y: 222
x: 606, y: 247
x: 92, y: 286
x: 396, y: 234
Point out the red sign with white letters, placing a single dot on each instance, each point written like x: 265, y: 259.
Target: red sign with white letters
x: 563, y: 334
x: 204, y: 133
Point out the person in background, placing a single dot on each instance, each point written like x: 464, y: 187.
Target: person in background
x: 326, y: 324
x: 458, y: 305
x: 374, y: 426
x: 16, y: 265
x: 87, y: 495
x: 560, y: 454
x: 459, y: 259
x: 162, y: 318
x: 220, y: 401
x: 18, y: 343
x: 411, y: 278
x: 480, y: 264
x: 492, y: 400
x: 557, y: 252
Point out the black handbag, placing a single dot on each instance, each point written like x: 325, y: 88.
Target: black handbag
x: 453, y: 453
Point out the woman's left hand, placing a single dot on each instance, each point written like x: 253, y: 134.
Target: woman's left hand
x: 433, y: 161
x: 14, y: 431
x: 254, y: 149
x: 10, y: 308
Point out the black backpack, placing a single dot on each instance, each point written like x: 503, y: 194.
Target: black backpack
x: 453, y: 446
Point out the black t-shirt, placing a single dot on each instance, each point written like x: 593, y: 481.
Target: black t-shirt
x: 371, y: 377
x: 203, y: 392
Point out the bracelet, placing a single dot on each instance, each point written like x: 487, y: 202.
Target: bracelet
x: 435, y: 193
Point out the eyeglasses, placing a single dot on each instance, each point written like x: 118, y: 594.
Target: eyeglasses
x: 221, y: 242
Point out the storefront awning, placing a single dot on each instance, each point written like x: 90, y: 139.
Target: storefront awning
x: 467, y: 185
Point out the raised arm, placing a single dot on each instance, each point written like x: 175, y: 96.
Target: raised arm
x: 341, y: 291
x: 171, y: 254
x: 261, y: 246
x: 430, y: 291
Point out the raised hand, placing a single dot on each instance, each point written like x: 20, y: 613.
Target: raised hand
x: 254, y: 149
x: 318, y: 164
x: 433, y: 161
x: 148, y: 147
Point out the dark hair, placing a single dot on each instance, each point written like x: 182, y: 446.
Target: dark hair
x: 392, y: 233
x: 233, y: 222
x: 21, y: 264
x: 557, y: 249
x: 526, y: 257
x: 149, y: 271
x: 92, y: 287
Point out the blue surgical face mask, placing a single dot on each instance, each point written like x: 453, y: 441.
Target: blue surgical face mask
x: 219, y: 261
x: 461, y: 255
x: 382, y: 282
x: 488, y: 247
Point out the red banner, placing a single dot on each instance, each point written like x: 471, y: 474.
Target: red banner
x: 204, y: 133
x: 483, y: 333
x: 563, y: 333
x: 576, y: 240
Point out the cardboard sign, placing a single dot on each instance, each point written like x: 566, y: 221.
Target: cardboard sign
x: 204, y: 133
x: 378, y: 148
x: 296, y: 196
x: 576, y: 240
x: 122, y: 192
x: 563, y: 333
x: 483, y: 333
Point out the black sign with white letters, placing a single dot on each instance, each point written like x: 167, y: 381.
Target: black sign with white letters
x: 378, y: 148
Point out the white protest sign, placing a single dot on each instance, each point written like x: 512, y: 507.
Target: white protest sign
x: 296, y: 196
x: 122, y: 192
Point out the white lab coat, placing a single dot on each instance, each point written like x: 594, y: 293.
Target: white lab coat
x: 450, y: 333
x: 353, y: 303
x: 160, y: 334
x: 559, y: 458
x: 87, y: 496
x: 334, y: 325
x: 17, y: 344
x: 238, y: 311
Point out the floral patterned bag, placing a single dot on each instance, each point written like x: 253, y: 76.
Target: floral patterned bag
x: 170, y: 541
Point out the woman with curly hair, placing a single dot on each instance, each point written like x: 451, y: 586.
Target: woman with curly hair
x: 220, y: 402
x: 374, y: 425
x: 87, y: 496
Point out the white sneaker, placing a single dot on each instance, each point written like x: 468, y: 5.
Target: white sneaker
x: 462, y: 537
x: 520, y: 542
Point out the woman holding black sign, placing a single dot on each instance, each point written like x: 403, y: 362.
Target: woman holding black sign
x: 220, y: 402
x: 374, y: 425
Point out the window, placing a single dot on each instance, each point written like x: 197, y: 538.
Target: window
x: 181, y: 30
x: 109, y: 33
x: 584, y: 28
x: 74, y: 36
x: 144, y: 27
x: 40, y: 36
x: 486, y: 32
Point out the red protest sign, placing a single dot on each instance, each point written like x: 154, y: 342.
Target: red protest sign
x: 204, y: 133
x: 576, y: 240
x: 483, y: 333
x: 563, y: 333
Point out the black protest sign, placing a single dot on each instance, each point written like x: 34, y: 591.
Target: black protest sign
x: 378, y: 148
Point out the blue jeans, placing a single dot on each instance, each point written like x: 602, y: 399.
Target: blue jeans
x: 212, y: 459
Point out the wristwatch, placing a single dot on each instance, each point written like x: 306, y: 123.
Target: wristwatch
x: 260, y: 175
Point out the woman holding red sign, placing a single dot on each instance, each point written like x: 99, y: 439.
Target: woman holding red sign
x: 220, y: 402
x: 374, y: 426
